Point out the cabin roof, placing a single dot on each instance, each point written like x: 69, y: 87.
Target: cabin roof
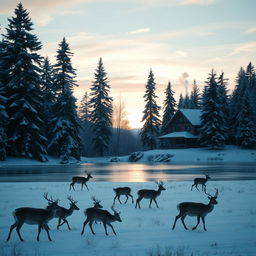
x: 193, y: 115
x: 184, y: 134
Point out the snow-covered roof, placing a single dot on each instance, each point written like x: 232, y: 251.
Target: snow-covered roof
x: 184, y: 134
x: 193, y: 115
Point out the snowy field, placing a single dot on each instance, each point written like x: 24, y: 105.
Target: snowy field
x: 231, y: 227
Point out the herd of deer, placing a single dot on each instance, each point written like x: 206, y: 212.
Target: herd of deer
x: 41, y: 217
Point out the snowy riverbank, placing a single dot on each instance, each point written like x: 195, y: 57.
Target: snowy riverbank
x: 194, y: 155
x: 230, y: 227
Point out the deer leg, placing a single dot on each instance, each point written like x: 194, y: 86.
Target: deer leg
x: 18, y: 230
x: 67, y: 224
x: 118, y: 198
x: 138, y: 202
x: 156, y: 202
x: 47, y: 231
x: 59, y: 221
x: 82, y: 186
x: 86, y: 186
x: 150, y: 202
x: 114, y: 199
x: 126, y: 199
x: 183, y: 222
x: 192, y: 187
x: 112, y: 228
x: 90, y: 225
x: 131, y: 198
x: 11, y: 228
x: 203, y: 220
x: 198, y: 221
x: 105, y: 226
x: 85, y: 222
x: 197, y: 187
x: 39, y: 231
x: 176, y: 218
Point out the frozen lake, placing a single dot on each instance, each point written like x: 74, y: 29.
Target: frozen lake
x: 129, y: 172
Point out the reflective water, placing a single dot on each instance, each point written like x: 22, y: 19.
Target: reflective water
x: 129, y: 172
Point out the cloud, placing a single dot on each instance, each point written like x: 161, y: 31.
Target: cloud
x: 139, y: 31
x: 182, y: 53
x: 250, y: 30
x: 197, y: 2
x: 249, y: 47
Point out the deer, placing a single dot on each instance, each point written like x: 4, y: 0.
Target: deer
x: 199, y: 210
x: 150, y: 194
x: 104, y: 216
x: 201, y: 181
x: 81, y: 180
x: 34, y: 216
x: 62, y: 213
x: 122, y: 191
x: 97, y: 205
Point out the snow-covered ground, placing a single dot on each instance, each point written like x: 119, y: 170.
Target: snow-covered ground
x: 197, y: 155
x: 231, y: 226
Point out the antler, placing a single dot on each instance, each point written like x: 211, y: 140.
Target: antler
x: 95, y: 200
x: 216, y: 193
x: 51, y: 200
x: 71, y: 200
x: 112, y: 208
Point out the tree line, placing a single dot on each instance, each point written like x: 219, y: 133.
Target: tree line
x: 39, y: 117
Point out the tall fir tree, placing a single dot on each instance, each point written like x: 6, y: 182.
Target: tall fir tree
x: 151, y: 118
x: 246, y: 130
x: 212, y: 132
x: 25, y: 134
x: 65, y: 141
x: 169, y: 107
x: 181, y: 102
x: 84, y: 109
x: 224, y: 103
x: 195, y: 97
x: 3, y: 114
x: 101, y: 111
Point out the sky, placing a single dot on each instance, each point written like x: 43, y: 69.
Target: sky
x: 178, y: 39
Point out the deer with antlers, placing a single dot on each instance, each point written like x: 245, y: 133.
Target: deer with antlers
x: 199, y: 210
x: 126, y: 191
x: 62, y: 213
x: 81, y: 180
x: 34, y: 216
x: 101, y: 215
x: 150, y: 194
x: 201, y: 181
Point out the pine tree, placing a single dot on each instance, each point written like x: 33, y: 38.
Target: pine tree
x: 236, y: 102
x: 224, y: 102
x: 212, y: 132
x: 48, y: 90
x: 65, y: 141
x: 151, y: 128
x: 181, y: 102
x: 195, y: 97
x: 246, y: 130
x: 3, y: 115
x: 186, y: 102
x: 169, y: 107
x: 24, y: 98
x: 101, y: 111
x: 84, y: 109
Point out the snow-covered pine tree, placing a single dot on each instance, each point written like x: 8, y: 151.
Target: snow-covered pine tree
x: 181, y: 102
x: 86, y: 131
x: 151, y: 118
x: 246, y: 130
x: 236, y: 102
x: 195, y: 97
x: 224, y: 103
x: 84, y: 109
x: 169, y: 107
x: 24, y: 98
x: 101, y: 111
x: 48, y: 91
x: 65, y: 141
x: 212, y: 132
x: 3, y: 114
